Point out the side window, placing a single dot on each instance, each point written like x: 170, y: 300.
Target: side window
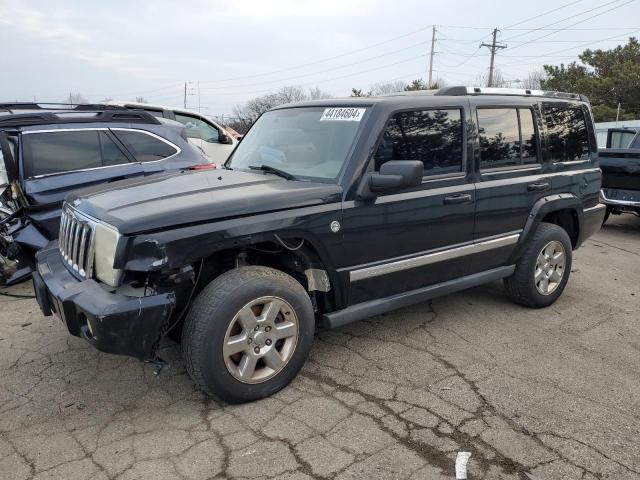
x: 196, y: 128
x: 499, y: 137
x: 621, y: 139
x: 507, y: 137
x: 111, y: 153
x: 54, y: 152
x: 567, y: 133
x: 145, y: 147
x: 528, y: 138
x: 636, y: 142
x: 432, y: 136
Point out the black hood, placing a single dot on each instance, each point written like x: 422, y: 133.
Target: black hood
x: 187, y: 197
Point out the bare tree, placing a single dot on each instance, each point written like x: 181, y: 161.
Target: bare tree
x: 75, y: 99
x: 384, y: 88
x: 248, y: 113
x: 498, y: 79
x: 317, y: 94
x: 534, y: 79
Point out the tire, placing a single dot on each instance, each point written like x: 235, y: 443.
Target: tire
x: 228, y: 309
x: 522, y: 286
x: 607, y: 214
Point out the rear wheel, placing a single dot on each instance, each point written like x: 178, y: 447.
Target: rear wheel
x: 248, y: 334
x: 543, y: 269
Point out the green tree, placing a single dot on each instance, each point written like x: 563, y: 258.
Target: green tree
x: 607, y: 77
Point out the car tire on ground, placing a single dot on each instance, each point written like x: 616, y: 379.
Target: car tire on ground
x: 248, y: 334
x: 607, y: 214
x: 543, y: 269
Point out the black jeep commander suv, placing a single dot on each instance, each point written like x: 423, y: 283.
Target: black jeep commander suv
x: 328, y: 212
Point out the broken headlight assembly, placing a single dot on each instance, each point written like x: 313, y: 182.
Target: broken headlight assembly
x: 105, y: 247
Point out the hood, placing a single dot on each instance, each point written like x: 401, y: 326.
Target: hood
x: 187, y: 197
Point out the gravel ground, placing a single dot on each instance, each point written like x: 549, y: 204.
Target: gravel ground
x: 546, y: 394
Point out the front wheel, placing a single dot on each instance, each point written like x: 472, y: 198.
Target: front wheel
x: 543, y: 269
x: 248, y: 334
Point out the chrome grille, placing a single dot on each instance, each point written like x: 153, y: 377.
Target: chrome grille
x: 76, y: 240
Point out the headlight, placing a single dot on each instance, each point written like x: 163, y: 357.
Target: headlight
x: 106, y: 244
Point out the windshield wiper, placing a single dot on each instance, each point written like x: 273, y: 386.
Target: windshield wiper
x: 270, y: 169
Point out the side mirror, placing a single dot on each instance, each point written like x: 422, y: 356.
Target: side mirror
x: 393, y: 175
x: 225, y: 139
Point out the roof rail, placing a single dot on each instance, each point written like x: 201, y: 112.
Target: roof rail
x: 58, y: 106
x: 112, y: 115
x: 455, y: 91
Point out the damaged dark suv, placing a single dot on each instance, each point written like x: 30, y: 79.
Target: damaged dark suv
x: 328, y: 212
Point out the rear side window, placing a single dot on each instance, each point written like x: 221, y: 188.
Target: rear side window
x: 55, y: 152
x: 145, y: 147
x: 432, y: 136
x: 507, y: 137
x: 567, y: 133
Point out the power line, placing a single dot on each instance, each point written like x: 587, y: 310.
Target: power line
x: 569, y: 18
x: 423, y: 56
x: 581, y: 21
x: 542, y: 14
x: 297, y: 67
x: 286, y: 79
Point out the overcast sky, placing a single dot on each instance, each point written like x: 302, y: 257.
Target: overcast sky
x: 241, y: 49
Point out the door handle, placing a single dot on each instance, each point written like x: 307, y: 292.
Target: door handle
x: 462, y: 198
x: 538, y: 187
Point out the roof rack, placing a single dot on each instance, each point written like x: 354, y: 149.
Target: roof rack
x: 11, y: 106
x: 112, y: 115
x: 526, y: 92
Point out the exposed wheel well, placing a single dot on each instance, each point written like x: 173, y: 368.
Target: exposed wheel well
x: 294, y: 256
x: 566, y: 219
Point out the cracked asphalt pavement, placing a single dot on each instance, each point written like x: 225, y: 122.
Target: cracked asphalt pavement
x: 532, y: 394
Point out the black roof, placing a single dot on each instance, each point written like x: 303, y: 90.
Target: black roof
x: 439, y: 97
x: 14, y: 115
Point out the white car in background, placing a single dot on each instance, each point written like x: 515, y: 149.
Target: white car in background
x: 214, y: 141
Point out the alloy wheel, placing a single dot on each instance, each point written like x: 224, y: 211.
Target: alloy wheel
x: 260, y: 340
x: 549, y: 269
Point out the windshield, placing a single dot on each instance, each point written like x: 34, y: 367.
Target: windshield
x: 308, y: 142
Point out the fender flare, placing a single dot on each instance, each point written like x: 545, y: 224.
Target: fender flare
x: 544, y: 206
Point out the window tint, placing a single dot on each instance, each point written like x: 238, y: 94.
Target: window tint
x: 621, y: 139
x: 636, y: 143
x: 432, y: 136
x: 145, y: 147
x: 111, y: 153
x: 54, y: 152
x: 567, y: 133
x: 196, y: 128
x: 528, y: 136
x: 499, y: 137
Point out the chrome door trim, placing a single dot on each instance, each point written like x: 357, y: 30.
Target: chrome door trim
x: 481, y: 245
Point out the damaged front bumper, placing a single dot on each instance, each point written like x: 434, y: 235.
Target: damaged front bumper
x: 111, y: 322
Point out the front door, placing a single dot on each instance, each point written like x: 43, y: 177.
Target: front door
x: 403, y: 240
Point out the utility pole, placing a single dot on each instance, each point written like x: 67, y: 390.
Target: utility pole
x: 493, y: 46
x: 433, y: 42
x: 618, y: 114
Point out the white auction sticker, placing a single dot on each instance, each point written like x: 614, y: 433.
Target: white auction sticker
x: 342, y: 114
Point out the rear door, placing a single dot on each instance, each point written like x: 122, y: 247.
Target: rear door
x: 512, y: 175
x: 58, y: 162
